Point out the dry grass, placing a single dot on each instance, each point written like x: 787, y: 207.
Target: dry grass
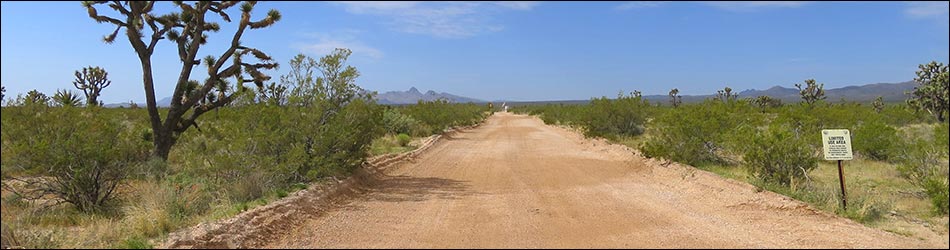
x: 877, y: 195
x: 389, y: 144
x: 139, y: 221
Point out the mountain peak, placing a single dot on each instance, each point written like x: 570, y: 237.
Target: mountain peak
x: 413, y: 95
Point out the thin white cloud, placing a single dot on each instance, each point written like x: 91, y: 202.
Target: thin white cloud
x: 639, y: 5
x: 360, y: 7
x: 518, y: 5
x: 927, y: 9
x: 326, y: 43
x: 441, y: 19
x: 749, y: 6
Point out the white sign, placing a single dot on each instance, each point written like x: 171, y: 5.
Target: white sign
x: 837, y: 144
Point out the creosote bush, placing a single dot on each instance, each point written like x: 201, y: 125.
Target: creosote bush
x: 441, y: 114
x: 609, y: 118
x: 779, y: 155
x: 876, y: 140
x: 86, y: 158
x: 698, y: 134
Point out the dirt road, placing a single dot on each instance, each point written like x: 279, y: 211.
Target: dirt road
x: 517, y: 183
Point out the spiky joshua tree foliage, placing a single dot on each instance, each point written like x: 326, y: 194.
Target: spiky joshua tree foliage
x: 813, y: 91
x: 675, y: 98
x: 878, y: 104
x: 188, y: 28
x: 91, y: 81
x: 725, y: 95
x: 933, y: 90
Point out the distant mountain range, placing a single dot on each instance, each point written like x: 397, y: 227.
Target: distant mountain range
x: 410, y: 96
x: 892, y: 92
x: 413, y: 96
x: 162, y: 103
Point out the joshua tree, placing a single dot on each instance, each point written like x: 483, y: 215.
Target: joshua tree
x: 765, y: 101
x: 878, y: 104
x: 91, y: 81
x: 188, y: 27
x: 726, y: 95
x: 933, y: 91
x: 66, y: 98
x: 35, y: 97
x: 812, y: 93
x: 675, y: 98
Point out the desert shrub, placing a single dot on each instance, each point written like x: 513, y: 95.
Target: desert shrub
x: 85, y: 154
x: 923, y: 164
x: 398, y: 123
x: 556, y: 113
x: 237, y: 142
x: 610, y: 118
x: 810, y: 120
x: 780, y: 156
x: 875, y: 140
x: 920, y: 160
x: 440, y: 114
x: 938, y: 190
x: 344, y: 142
x: 403, y: 139
x: 900, y: 115
x: 696, y: 134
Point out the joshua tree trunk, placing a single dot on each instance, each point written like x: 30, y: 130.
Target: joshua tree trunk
x: 189, y: 30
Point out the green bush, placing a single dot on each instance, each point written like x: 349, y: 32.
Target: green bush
x: 135, y: 243
x: 610, y: 118
x: 556, y: 113
x: 343, y: 144
x: 398, y: 123
x: 85, y: 153
x: 875, y: 140
x: 920, y: 160
x: 938, y: 190
x: 440, y: 114
x: 697, y: 134
x: 780, y: 156
x: 403, y: 139
x: 901, y: 115
x: 924, y: 164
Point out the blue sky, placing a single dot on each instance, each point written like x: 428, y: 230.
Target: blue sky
x: 518, y: 50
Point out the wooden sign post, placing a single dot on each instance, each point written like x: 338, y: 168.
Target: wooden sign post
x: 837, y: 147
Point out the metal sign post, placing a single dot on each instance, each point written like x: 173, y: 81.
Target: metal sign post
x: 844, y: 195
x: 837, y: 147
